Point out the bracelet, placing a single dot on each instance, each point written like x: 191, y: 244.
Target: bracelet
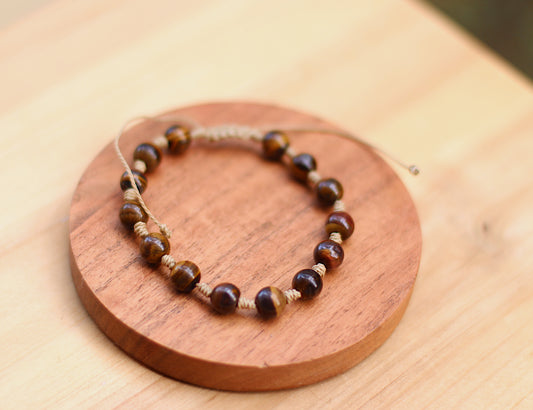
x: 185, y: 275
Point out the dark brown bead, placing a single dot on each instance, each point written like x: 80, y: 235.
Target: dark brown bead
x: 302, y: 165
x: 154, y: 246
x: 149, y: 154
x: 270, y: 302
x: 140, y: 181
x: 225, y: 298
x: 329, y: 253
x: 329, y: 190
x: 131, y: 213
x: 308, y: 283
x: 178, y: 138
x: 185, y: 275
x: 275, y: 143
x: 340, y: 222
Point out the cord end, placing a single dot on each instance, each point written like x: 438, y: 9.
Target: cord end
x: 414, y: 170
x: 165, y: 231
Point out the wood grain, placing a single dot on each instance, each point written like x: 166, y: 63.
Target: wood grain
x: 395, y: 72
x: 244, y: 220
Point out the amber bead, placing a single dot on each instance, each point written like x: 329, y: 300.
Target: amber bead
x: 149, y: 154
x: 225, y: 298
x: 329, y: 253
x: 270, y: 302
x: 340, y: 222
x: 329, y: 190
x: 185, y: 275
x: 308, y: 283
x: 178, y: 138
x: 140, y: 181
x: 275, y: 143
x: 154, y: 246
x: 302, y: 165
x: 131, y: 213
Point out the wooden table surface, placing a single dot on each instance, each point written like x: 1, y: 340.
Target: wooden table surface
x: 397, y: 72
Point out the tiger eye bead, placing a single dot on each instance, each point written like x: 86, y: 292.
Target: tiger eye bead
x: 270, y: 302
x: 340, y: 222
x: 149, y: 154
x: 329, y: 253
x: 302, y: 165
x: 185, y: 275
x: 275, y: 143
x: 131, y: 213
x: 225, y: 298
x: 178, y: 138
x: 308, y: 283
x: 154, y: 246
x: 140, y: 181
x: 328, y: 191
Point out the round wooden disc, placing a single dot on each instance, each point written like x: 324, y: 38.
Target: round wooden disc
x: 243, y: 220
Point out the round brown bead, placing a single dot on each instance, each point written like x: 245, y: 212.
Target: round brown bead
x: 329, y: 190
x: 185, y: 275
x: 329, y: 253
x: 308, y: 283
x: 140, y: 181
x: 131, y: 213
x: 275, y: 143
x: 270, y: 302
x: 225, y: 298
x: 149, y: 154
x: 302, y: 165
x: 154, y: 246
x: 340, y: 222
x: 178, y: 138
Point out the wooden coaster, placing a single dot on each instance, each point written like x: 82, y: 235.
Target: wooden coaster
x: 243, y: 220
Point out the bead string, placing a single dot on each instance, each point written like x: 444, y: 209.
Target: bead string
x: 225, y: 298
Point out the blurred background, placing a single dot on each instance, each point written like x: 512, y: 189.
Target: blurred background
x: 505, y: 26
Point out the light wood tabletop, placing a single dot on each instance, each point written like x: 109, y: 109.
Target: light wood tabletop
x: 395, y: 72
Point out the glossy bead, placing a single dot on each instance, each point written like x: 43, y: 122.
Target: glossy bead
x: 270, y: 302
x: 302, y: 165
x: 154, y: 246
x: 329, y: 190
x: 308, y: 283
x: 340, y: 222
x: 178, y: 138
x: 225, y: 298
x: 275, y: 143
x: 140, y: 181
x: 185, y: 275
x: 149, y: 154
x: 329, y: 253
x: 131, y: 213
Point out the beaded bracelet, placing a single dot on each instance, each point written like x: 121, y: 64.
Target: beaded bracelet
x: 185, y: 275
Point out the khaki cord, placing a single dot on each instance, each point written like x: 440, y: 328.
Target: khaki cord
x: 168, y: 261
x: 220, y: 132
x: 291, y: 295
x: 141, y: 230
x: 204, y: 289
x: 338, y: 206
x: 413, y: 169
x: 217, y: 133
x: 242, y: 132
x: 245, y: 303
x: 130, y: 195
x: 186, y: 121
x: 319, y: 268
x: 139, y: 166
x: 313, y: 177
x: 335, y: 237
